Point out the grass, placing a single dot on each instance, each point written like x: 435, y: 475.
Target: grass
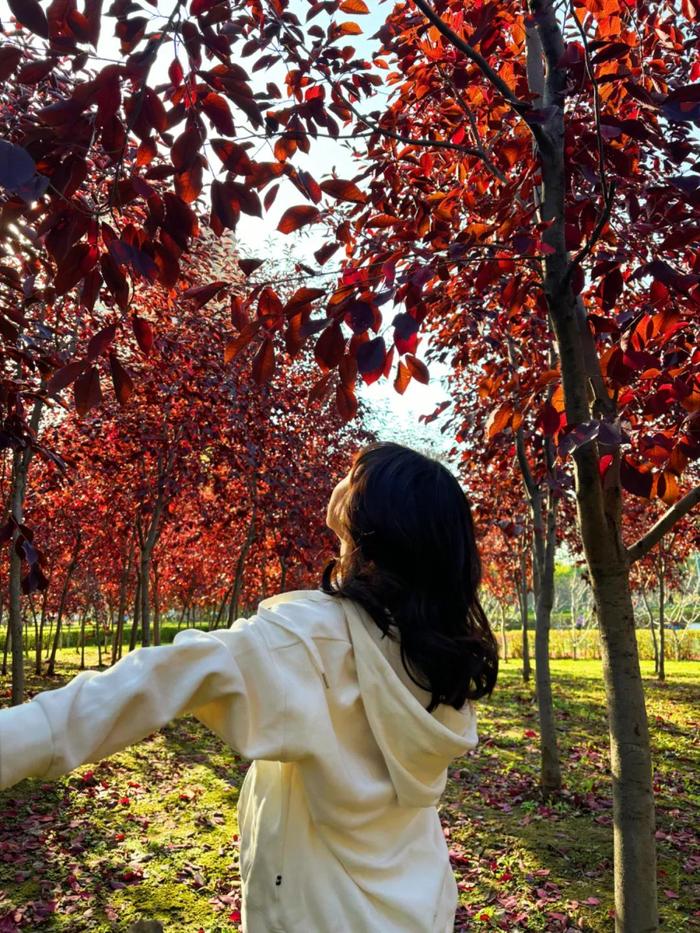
x: 152, y: 833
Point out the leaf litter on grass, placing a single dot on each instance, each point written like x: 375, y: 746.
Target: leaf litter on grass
x: 151, y: 832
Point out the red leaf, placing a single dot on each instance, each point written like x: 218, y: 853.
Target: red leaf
x: 344, y: 190
x: 186, y: 149
x: 346, y: 402
x: 284, y: 147
x: 34, y: 72
x: 79, y: 261
x: 302, y: 297
x: 93, y: 13
x: 233, y: 156
x: 330, y: 347
x: 418, y: 369
x: 403, y: 377
x: 270, y: 196
x: 264, y: 362
x: 154, y: 111
x: 146, y: 152
x: 248, y: 266
x: 638, y: 482
x: 347, y: 29
x: 122, y: 381
x: 319, y: 390
x: 10, y: 57
x: 100, y: 341
x: 143, y: 333
x: 551, y: 419
x: 188, y: 184
x: 354, y: 6
x: 30, y: 14
x: 269, y: 305
x: 296, y: 217
x: 347, y: 370
x: 234, y: 347
x: 499, y: 420
x: 383, y: 220
x: 323, y: 254
x: 201, y: 294
x: 175, y: 73
x: 219, y: 113
x: 371, y: 357
x: 65, y: 376
x: 87, y: 391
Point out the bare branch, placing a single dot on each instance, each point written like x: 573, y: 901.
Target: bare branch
x: 642, y: 547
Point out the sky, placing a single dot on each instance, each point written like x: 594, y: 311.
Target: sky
x: 393, y: 416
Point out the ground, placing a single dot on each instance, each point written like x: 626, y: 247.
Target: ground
x: 151, y: 832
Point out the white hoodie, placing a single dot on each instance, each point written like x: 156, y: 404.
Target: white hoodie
x: 338, y: 821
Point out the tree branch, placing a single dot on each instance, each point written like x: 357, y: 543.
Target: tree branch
x: 642, y: 547
x: 607, y: 196
x: 595, y: 235
x: 518, y: 105
x: 375, y: 127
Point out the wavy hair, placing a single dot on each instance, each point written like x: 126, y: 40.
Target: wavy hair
x: 413, y: 564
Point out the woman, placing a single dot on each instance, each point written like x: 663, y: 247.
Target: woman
x: 351, y: 700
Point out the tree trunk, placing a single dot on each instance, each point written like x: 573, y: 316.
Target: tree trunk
x: 504, y: 634
x: 20, y: 472
x: 544, y: 540
x: 137, y: 614
x: 544, y: 537
x: 522, y: 600
x: 147, y: 543
x: 144, y: 574
x: 156, y: 606
x: 652, y: 629
x: 240, y: 567
x: 633, y: 801
x: 82, y: 639
x: 39, y: 646
x: 600, y: 518
x: 98, y: 639
x: 283, y: 574
x: 222, y: 606
x: 118, y: 639
x: 35, y: 620
x: 51, y: 667
x: 20, y: 464
x: 662, y: 615
x: 6, y: 648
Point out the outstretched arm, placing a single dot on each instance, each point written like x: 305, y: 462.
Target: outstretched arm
x: 228, y: 678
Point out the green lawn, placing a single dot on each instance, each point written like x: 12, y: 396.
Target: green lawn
x: 151, y: 832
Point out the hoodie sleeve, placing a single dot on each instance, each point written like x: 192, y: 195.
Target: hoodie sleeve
x: 227, y: 678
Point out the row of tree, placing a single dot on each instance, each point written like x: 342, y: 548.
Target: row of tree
x: 526, y: 191
x: 203, y: 489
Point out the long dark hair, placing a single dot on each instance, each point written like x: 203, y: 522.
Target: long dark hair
x: 413, y: 564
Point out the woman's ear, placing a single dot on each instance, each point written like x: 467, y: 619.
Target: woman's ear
x: 335, y: 515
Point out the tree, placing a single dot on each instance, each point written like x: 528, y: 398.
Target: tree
x: 520, y: 463
x: 529, y: 164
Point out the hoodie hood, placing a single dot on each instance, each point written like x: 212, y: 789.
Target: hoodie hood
x: 417, y: 745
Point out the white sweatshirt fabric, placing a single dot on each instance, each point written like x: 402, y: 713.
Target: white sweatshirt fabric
x: 338, y: 821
